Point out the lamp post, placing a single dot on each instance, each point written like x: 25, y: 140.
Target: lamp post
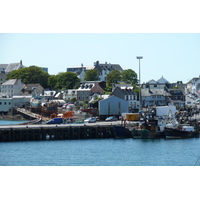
x: 139, y: 57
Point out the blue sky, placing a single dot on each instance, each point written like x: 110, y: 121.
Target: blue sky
x: 68, y: 33
x: 176, y: 56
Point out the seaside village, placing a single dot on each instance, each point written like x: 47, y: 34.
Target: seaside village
x: 158, y: 102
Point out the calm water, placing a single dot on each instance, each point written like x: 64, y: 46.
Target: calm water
x: 8, y: 122
x: 102, y: 152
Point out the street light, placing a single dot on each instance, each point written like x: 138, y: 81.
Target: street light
x: 139, y: 57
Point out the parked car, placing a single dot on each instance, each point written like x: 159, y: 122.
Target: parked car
x: 90, y: 120
x: 111, y: 118
x: 197, y: 101
x: 57, y: 120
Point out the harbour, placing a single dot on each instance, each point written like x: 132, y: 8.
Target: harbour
x: 102, y: 152
x: 91, y: 145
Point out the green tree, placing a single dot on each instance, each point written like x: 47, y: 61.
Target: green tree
x: 91, y: 75
x: 67, y: 80
x: 52, y: 80
x: 32, y: 74
x: 129, y: 76
x: 113, y: 77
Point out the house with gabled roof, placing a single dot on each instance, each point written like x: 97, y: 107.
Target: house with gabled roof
x: 32, y: 89
x: 152, y: 97
x: 159, y: 84
x: 87, y: 89
x: 106, y: 68
x: 126, y: 92
x: 14, y: 66
x: 11, y: 87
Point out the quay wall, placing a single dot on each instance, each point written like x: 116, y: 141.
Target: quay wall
x: 37, y: 133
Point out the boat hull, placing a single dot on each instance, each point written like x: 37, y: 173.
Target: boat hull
x: 121, y: 132
x: 171, y: 133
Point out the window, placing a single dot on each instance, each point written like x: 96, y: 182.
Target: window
x: 4, y: 103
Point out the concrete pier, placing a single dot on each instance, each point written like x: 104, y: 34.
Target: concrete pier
x: 54, y: 132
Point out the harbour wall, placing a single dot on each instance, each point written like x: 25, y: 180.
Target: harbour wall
x: 57, y: 132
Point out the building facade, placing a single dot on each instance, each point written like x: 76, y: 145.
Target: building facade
x: 112, y: 105
x: 126, y: 92
x: 106, y: 68
x: 193, y: 86
x: 12, y: 87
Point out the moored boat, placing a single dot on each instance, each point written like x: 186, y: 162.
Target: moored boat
x: 140, y: 133
x: 121, y: 132
x: 184, y: 131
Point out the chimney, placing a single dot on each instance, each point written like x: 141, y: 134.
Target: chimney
x: 20, y: 62
x: 96, y: 63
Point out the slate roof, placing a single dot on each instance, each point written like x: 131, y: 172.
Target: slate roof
x: 29, y: 87
x: 123, y: 86
x: 162, y: 80
x: 108, y: 66
x: 3, y: 67
x: 193, y: 80
x: 11, y: 67
x: 10, y: 82
x: 150, y: 92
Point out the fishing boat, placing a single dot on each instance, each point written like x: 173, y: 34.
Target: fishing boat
x: 182, y: 131
x: 49, y: 108
x: 121, y: 132
x: 140, y: 133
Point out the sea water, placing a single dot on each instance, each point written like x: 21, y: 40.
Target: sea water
x: 10, y: 122
x: 102, y: 152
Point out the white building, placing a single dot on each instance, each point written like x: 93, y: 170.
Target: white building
x: 69, y: 94
x: 193, y: 86
x: 12, y: 87
x: 16, y: 101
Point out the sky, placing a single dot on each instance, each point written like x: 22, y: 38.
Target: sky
x: 71, y: 33
x: 175, y: 56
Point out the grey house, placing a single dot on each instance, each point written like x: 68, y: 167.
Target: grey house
x: 106, y: 68
x: 14, y: 66
x: 154, y: 97
x: 32, y: 89
x: 112, y: 106
x: 126, y: 92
